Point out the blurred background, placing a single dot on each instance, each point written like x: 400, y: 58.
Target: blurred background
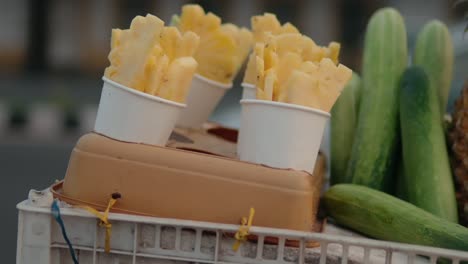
x: 53, y: 54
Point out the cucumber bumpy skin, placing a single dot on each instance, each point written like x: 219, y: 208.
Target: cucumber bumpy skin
x: 383, y: 216
x: 343, y: 124
x: 377, y: 135
x: 427, y: 175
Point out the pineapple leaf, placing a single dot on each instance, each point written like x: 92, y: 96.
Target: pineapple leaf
x: 175, y: 20
x: 457, y: 4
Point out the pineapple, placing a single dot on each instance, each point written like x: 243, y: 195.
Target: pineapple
x: 291, y: 42
x: 264, y: 27
x: 288, y: 78
x: 243, y: 38
x: 288, y: 63
x: 458, y: 138
x: 133, y: 48
x: 312, y: 52
x: 159, y: 66
x: 249, y: 75
x: 176, y: 71
x: 152, y: 58
x: 326, y: 83
x: 333, y: 51
x: 284, y: 40
x: 223, y: 47
x: 187, y: 45
x: 269, y: 23
x: 301, y: 88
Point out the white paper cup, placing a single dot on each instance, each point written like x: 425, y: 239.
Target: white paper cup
x: 280, y: 135
x: 203, y: 97
x: 133, y: 116
x: 248, y: 91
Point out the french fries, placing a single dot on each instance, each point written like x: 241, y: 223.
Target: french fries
x: 152, y: 58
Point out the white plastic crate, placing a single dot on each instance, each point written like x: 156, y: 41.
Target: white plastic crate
x: 138, y: 240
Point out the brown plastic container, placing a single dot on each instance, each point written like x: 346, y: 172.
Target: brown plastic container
x: 174, y: 183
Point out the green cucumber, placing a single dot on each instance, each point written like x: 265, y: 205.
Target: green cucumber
x: 342, y: 124
x: 382, y: 216
x: 434, y: 53
x: 377, y: 134
x: 400, y: 189
x: 427, y: 176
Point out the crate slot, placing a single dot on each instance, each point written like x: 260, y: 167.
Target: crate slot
x: 147, y: 240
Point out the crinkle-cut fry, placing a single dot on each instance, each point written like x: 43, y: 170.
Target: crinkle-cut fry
x: 169, y: 40
x: 158, y: 75
x: 287, y: 63
x: 187, y: 45
x: 302, y: 89
x: 179, y: 78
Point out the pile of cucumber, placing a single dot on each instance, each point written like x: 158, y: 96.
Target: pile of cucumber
x: 387, y: 137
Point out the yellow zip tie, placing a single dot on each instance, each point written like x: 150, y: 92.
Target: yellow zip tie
x: 243, y: 232
x: 104, y: 221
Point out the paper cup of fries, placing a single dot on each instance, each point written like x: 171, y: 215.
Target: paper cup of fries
x: 280, y: 135
x: 248, y: 91
x: 204, y: 96
x: 130, y: 115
